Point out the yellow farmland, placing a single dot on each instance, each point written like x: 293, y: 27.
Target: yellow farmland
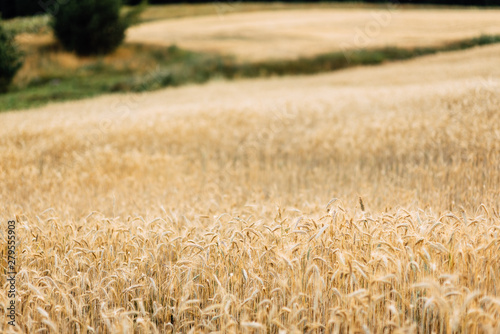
x: 288, y: 34
x: 364, y: 200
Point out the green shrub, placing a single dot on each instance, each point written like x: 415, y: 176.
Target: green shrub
x: 90, y: 27
x: 10, y: 59
x: 11, y: 8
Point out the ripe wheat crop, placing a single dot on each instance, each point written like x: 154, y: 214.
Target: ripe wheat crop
x: 361, y: 201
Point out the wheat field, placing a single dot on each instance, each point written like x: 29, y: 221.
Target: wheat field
x: 288, y: 34
x: 361, y: 201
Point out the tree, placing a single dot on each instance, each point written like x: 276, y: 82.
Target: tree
x: 10, y: 59
x: 90, y: 27
x: 10, y: 8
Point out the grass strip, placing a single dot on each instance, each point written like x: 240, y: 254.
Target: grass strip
x: 175, y: 67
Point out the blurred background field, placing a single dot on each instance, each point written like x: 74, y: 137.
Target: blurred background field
x: 166, y: 46
x: 289, y: 34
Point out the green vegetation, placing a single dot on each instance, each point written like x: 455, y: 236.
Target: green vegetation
x: 92, y: 76
x: 154, y: 67
x: 10, y: 60
x: 90, y: 27
x: 10, y: 8
x: 339, y: 60
x: 32, y: 25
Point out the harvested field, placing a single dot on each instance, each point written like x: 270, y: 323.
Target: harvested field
x: 286, y: 34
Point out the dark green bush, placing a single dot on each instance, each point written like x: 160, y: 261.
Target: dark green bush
x: 13, y: 8
x: 10, y: 59
x: 90, y: 27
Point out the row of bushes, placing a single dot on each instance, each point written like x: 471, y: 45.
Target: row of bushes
x: 14, y: 8
x: 479, y: 3
x: 11, y: 8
